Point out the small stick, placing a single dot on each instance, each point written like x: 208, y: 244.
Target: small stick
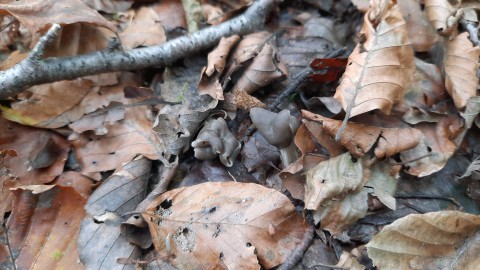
x: 295, y: 83
x: 298, y: 253
x: 37, y: 52
x: 428, y: 197
x: 413, y: 160
x: 5, y: 230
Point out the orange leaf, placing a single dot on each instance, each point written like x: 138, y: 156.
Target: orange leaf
x: 37, y: 15
x: 461, y: 65
x: 226, y: 225
x: 381, y: 67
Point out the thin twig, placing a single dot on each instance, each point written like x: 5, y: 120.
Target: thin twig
x: 10, y: 252
x: 329, y: 266
x: 413, y: 160
x: 24, y: 75
x: 428, y: 197
x: 36, y: 54
x: 160, y: 188
x: 295, y: 83
x: 298, y: 253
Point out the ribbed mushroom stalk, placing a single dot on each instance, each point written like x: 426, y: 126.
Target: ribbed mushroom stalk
x: 278, y: 129
x: 213, y: 140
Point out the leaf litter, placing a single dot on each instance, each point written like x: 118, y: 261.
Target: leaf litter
x: 398, y: 160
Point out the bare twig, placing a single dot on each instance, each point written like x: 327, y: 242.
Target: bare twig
x: 24, y: 75
x: 298, y: 253
x: 295, y: 83
x: 428, y: 197
x: 413, y: 160
x: 36, y: 54
x: 7, y: 243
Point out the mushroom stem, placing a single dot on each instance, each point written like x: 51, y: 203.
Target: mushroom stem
x: 288, y: 155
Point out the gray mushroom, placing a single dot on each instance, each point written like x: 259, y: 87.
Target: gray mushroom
x: 213, y: 140
x: 278, y: 129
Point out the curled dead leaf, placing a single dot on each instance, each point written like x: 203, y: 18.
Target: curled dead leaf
x: 359, y: 138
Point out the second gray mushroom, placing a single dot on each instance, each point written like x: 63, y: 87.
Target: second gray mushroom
x: 278, y: 129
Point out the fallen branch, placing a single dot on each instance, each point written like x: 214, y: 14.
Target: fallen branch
x: 34, y: 71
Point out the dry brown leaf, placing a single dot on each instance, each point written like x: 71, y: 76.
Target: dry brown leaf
x: 40, y: 157
x: 209, y: 80
x: 359, y: 138
x: 212, y: 14
x: 172, y: 15
x: 37, y: 15
x: 71, y: 40
x: 437, y: 240
x: 461, y: 66
x: 82, y: 184
x: 344, y: 209
x: 471, y: 111
x: 435, y: 147
x: 337, y: 216
x: 224, y: 226
x: 333, y: 177
x: 126, y: 139
x: 144, y: 30
x: 109, y: 6
x: 381, y: 66
x: 47, y: 105
x: 362, y: 5
x: 420, y: 31
x: 264, y: 69
x: 43, y: 227
x: 246, y: 49
x: 442, y: 15
x: 384, y: 178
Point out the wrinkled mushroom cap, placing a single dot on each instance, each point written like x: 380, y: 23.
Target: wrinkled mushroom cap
x: 277, y: 128
x: 213, y: 140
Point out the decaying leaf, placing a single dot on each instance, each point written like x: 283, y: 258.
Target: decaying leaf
x: 144, y: 30
x: 245, y: 50
x: 126, y: 139
x: 99, y: 242
x: 108, y: 5
x: 381, y: 66
x: 443, y: 15
x: 437, y: 240
x: 40, y: 157
x: 420, y: 31
x: 471, y: 111
x: 43, y: 227
x: 435, y: 148
x: 209, y: 80
x: 333, y: 177
x: 47, y: 105
x: 224, y: 226
x: 359, y: 138
x: 264, y: 69
x: 461, y: 65
x: 37, y: 15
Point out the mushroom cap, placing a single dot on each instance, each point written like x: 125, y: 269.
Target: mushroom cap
x: 277, y: 128
x: 213, y: 140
